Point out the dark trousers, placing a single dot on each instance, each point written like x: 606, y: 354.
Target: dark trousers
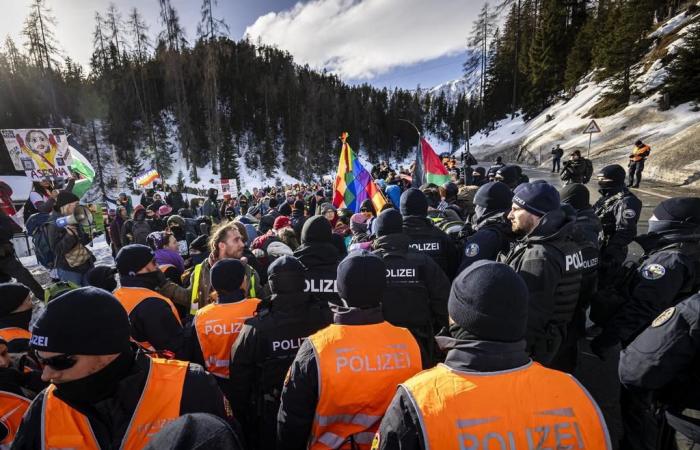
x: 10, y: 266
x: 556, y: 164
x: 639, y: 422
x: 635, y: 173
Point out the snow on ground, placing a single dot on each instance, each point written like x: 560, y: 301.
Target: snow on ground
x: 672, y: 25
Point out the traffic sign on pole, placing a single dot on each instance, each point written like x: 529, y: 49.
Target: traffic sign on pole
x: 590, y: 129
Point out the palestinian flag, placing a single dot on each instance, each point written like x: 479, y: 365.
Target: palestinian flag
x: 429, y: 168
x: 82, y: 171
x: 353, y: 183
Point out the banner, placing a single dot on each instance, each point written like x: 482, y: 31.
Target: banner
x: 147, y: 177
x: 39, y: 152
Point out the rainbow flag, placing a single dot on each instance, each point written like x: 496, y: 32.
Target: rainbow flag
x: 353, y: 184
x: 429, y: 168
x: 147, y: 177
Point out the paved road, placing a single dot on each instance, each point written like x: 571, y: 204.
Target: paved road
x: 600, y: 377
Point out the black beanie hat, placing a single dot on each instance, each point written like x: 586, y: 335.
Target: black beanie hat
x: 11, y: 296
x: 576, y: 195
x: 64, y: 198
x: 200, y: 243
x: 676, y: 214
x: 285, y: 209
x: 298, y: 205
x: 102, y: 277
x: 83, y: 321
x: 227, y: 275
x: 389, y: 221
x: 480, y: 170
x: 361, y: 279
x: 316, y: 229
x: 539, y: 198
x: 490, y: 301
x: 614, y: 172
x: 286, y: 276
x: 413, y: 203
x: 510, y: 174
x: 266, y: 223
x: 132, y: 258
x: 494, y: 196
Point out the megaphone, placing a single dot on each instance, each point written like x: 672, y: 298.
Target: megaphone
x: 81, y: 216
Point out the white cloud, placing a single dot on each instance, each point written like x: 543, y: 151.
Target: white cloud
x: 363, y: 38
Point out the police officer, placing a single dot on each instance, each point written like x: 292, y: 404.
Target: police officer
x: 550, y: 262
x: 15, y: 314
x: 491, y: 172
x: 155, y: 323
x: 512, y: 175
x: 618, y: 210
x: 103, y: 392
x: 342, y: 378
x: 423, y: 235
x: 488, y: 394
x: 575, y: 200
x: 668, y: 272
x: 266, y: 347
x: 639, y: 155
x: 13, y: 399
x: 215, y: 327
x: 662, y: 360
x: 320, y: 258
x: 492, y: 233
x: 417, y: 289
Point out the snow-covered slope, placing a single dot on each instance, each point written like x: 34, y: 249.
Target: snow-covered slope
x: 673, y: 135
x: 453, y: 89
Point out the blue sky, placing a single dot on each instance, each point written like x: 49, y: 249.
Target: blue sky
x: 393, y: 43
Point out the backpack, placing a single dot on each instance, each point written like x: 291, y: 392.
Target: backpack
x: 28, y: 210
x: 38, y: 228
x: 58, y: 288
x: 140, y: 231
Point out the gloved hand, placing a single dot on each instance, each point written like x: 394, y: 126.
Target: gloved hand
x: 605, y: 346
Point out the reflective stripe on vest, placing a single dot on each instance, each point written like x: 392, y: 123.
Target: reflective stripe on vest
x: 12, y: 408
x: 11, y: 333
x: 218, y: 326
x: 65, y: 427
x: 527, y: 407
x: 358, y: 368
x: 131, y: 297
x: 194, y: 298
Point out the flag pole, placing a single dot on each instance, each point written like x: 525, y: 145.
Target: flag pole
x: 418, y: 133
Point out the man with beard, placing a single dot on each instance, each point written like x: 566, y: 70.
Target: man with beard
x: 155, y: 322
x: 225, y: 242
x: 492, y: 230
x: 548, y: 259
x: 320, y: 258
x: 104, y: 393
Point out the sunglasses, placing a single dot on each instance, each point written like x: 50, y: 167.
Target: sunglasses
x: 59, y: 362
x: 364, y: 210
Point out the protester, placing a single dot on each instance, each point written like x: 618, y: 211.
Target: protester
x: 10, y: 265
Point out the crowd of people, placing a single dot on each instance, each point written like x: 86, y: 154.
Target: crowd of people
x: 452, y: 317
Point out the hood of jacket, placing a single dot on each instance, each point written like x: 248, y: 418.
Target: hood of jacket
x: 553, y: 225
x: 317, y: 254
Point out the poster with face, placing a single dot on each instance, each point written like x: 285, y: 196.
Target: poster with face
x: 39, y: 152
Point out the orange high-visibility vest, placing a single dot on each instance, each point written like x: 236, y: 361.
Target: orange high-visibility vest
x: 131, y: 297
x: 358, y: 368
x: 526, y: 407
x: 11, y: 333
x: 218, y: 326
x: 640, y: 153
x: 12, y: 408
x: 65, y: 427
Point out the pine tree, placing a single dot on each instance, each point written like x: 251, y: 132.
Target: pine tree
x: 546, y: 57
x: 683, y: 82
x: 478, y: 50
x: 579, y: 61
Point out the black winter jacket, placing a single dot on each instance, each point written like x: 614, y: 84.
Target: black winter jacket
x: 425, y: 237
x: 261, y: 356
x: 321, y: 262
